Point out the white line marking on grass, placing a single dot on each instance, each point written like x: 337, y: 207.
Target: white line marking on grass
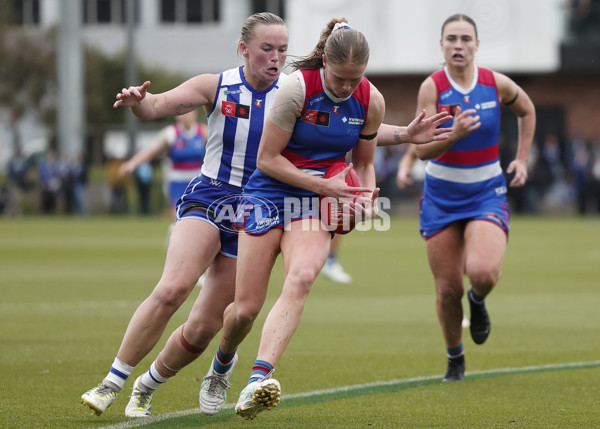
x: 473, y: 374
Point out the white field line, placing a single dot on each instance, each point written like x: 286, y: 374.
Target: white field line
x: 502, y: 371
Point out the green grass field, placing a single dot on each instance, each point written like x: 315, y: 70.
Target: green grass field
x: 366, y: 355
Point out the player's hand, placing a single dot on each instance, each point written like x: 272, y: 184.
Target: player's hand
x: 336, y: 186
x: 520, y: 169
x: 132, y: 96
x: 425, y: 130
x: 364, y: 207
x: 465, y: 122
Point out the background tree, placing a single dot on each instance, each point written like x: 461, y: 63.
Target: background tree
x: 28, y: 82
x: 27, y: 72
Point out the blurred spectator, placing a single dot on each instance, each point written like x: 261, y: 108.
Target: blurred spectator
x: 540, y: 177
x: 595, y: 177
x: 386, y: 165
x: 578, y: 12
x: 49, y: 177
x: 19, y: 183
x: 581, y: 162
x: 73, y: 175
x: 143, y: 179
x: 118, y: 186
x: 558, y: 192
x: 65, y: 168
x: 79, y: 172
x: 584, y: 18
x: 382, y: 170
x: 551, y: 153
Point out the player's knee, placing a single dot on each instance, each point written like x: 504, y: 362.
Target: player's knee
x: 450, y: 291
x: 484, y: 276
x: 246, y: 313
x: 206, y: 333
x: 302, y: 279
x: 171, y: 296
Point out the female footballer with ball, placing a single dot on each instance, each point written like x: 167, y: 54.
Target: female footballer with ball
x: 322, y: 111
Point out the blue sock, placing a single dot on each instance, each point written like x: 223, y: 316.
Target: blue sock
x: 260, y: 370
x: 455, y: 352
x: 222, y: 362
x: 475, y: 298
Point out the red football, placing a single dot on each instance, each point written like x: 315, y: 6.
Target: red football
x: 331, y: 208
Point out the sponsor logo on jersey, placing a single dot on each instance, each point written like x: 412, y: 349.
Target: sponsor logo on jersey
x: 258, y: 103
x: 356, y: 121
x: 448, y: 108
x: 487, y: 105
x: 316, y: 100
x: 446, y: 95
x: 229, y: 108
x: 316, y: 117
x: 467, y: 98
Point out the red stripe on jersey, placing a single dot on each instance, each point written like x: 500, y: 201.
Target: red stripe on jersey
x: 363, y: 94
x: 300, y: 162
x: 312, y: 82
x: 187, y: 165
x: 469, y: 157
x: 486, y: 77
x: 314, y: 86
x: 441, y: 81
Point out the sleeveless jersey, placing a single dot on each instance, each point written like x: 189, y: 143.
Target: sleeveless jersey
x: 469, y: 172
x: 328, y: 127
x: 234, y: 128
x: 186, y: 151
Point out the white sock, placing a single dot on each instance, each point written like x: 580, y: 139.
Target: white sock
x: 151, y: 379
x: 119, y: 372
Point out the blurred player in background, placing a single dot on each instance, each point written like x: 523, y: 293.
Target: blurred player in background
x: 236, y: 103
x: 185, y: 144
x: 464, y: 214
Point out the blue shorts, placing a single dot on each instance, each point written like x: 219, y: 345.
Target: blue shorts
x: 257, y: 215
x: 215, y: 203
x: 434, y: 218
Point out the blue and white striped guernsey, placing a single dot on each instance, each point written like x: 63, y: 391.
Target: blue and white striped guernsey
x: 235, y: 126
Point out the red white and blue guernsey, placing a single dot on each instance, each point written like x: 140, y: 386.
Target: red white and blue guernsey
x: 325, y: 131
x: 186, y: 151
x: 466, y: 182
x: 235, y: 126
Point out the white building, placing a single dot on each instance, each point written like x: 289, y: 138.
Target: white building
x: 199, y: 36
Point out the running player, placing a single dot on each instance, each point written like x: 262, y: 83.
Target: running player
x: 464, y: 214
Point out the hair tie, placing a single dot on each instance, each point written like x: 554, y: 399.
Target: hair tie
x: 342, y: 25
